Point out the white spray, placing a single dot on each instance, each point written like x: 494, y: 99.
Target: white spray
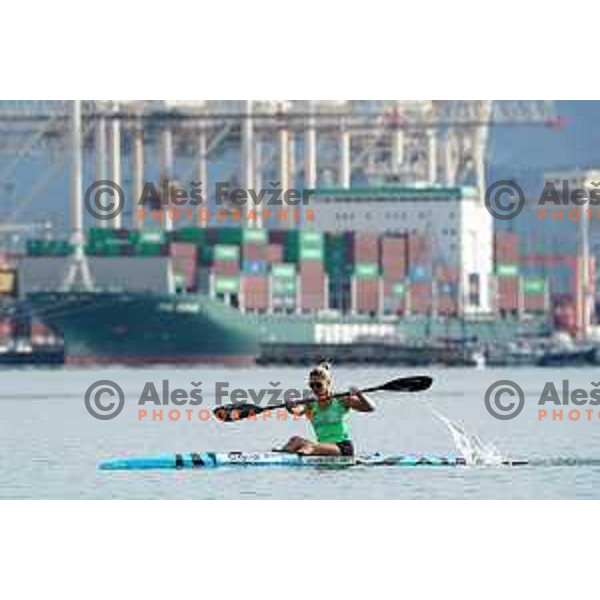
x: 470, y: 447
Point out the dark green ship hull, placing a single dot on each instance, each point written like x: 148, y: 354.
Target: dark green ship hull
x: 142, y: 328
x: 133, y: 328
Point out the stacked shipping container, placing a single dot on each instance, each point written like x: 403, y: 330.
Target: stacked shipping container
x: 363, y: 256
x: 284, y: 287
x: 307, y: 250
x: 394, y: 268
x: 358, y: 272
x: 420, y: 287
x: 507, y: 262
x: 447, y: 291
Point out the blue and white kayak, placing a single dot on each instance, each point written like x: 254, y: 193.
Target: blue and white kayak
x: 211, y: 460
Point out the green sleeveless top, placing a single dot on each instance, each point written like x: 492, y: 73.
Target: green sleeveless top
x: 329, y: 423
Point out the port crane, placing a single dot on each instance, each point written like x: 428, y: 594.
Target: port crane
x: 332, y: 143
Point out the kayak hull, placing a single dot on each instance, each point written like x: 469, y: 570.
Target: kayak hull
x: 211, y: 460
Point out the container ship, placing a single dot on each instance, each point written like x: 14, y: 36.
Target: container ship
x: 234, y: 295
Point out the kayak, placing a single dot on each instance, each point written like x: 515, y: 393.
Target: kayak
x: 211, y: 460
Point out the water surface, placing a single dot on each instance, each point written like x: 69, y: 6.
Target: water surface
x: 50, y: 445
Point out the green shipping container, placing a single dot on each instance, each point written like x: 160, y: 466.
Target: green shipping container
x: 283, y: 270
x: 255, y: 236
x: 284, y: 287
x: 507, y: 270
x: 112, y: 242
x: 227, y: 285
x: 304, y: 245
x: 100, y: 233
x: 311, y: 238
x: 310, y: 254
x: 147, y: 249
x: 49, y: 248
x: 399, y: 290
x: 242, y: 235
x: 226, y: 252
x: 155, y: 236
x: 366, y: 270
x: 534, y: 285
x: 190, y: 235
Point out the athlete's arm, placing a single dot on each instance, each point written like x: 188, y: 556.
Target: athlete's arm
x: 358, y: 401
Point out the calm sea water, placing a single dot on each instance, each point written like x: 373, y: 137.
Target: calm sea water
x: 50, y: 445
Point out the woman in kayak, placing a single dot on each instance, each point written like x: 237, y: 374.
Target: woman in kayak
x: 328, y: 417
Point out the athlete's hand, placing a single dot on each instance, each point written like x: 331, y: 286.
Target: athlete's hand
x: 294, y: 408
x: 353, y: 392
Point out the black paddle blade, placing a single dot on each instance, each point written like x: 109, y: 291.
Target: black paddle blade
x: 236, y: 412
x: 419, y: 383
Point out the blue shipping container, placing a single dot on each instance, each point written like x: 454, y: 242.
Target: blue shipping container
x: 255, y: 267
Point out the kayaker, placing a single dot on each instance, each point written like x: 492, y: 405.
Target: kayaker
x: 328, y: 416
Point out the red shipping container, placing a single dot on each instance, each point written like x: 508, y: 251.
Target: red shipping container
x: 226, y: 267
x: 312, y: 299
x: 394, y: 260
x: 311, y: 268
x: 553, y: 265
x: 508, y: 293
x: 188, y: 268
x: 420, y: 297
x: 183, y: 249
x: 367, y: 295
x: 362, y: 246
x: 535, y: 302
x: 393, y: 247
x: 446, y: 274
x: 254, y: 252
x: 274, y: 253
x: 447, y: 305
x: 398, y: 270
x: 419, y: 249
x: 255, y: 292
x: 506, y: 247
x: 312, y: 283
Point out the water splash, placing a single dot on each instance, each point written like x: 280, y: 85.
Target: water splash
x: 470, y: 447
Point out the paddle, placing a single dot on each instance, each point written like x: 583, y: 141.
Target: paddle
x: 237, y: 412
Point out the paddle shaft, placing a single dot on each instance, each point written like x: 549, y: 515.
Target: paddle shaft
x: 403, y: 384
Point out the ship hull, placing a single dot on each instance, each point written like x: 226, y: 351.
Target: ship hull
x: 137, y: 329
